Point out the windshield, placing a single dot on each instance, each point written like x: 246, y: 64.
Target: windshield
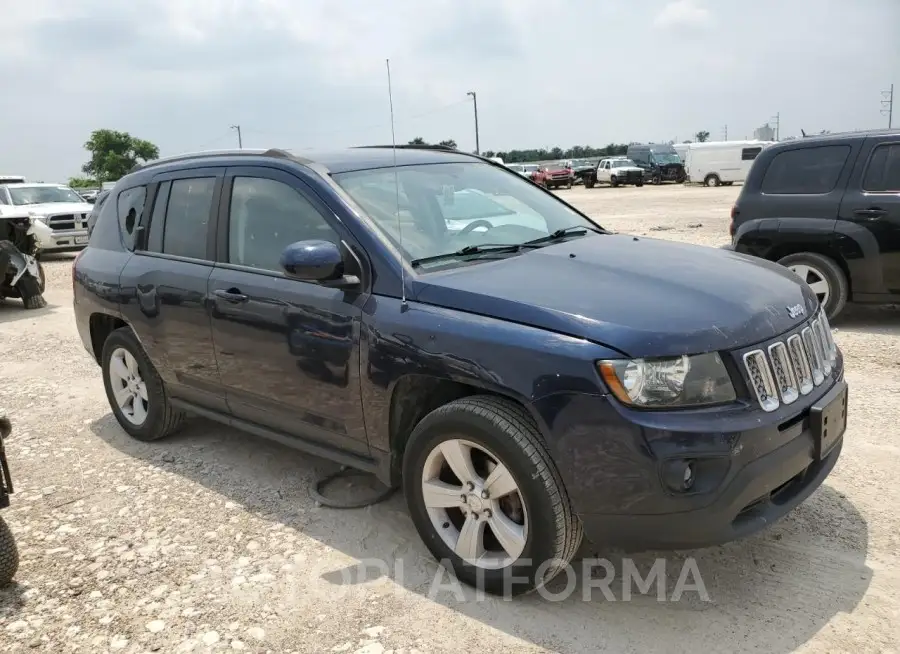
x: 666, y: 157
x: 41, y: 194
x: 446, y: 207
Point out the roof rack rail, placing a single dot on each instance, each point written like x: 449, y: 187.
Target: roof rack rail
x: 272, y: 152
x: 427, y: 146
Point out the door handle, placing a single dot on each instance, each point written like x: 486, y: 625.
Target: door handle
x: 870, y: 214
x: 232, y: 295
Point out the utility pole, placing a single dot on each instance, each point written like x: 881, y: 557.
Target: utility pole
x: 240, y: 141
x: 475, y: 104
x: 778, y: 126
x: 888, y: 105
x: 725, y: 129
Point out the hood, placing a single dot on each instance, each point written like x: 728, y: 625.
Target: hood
x: 644, y: 297
x: 57, y: 207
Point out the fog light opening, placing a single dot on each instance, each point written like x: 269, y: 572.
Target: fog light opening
x: 688, y: 477
x: 679, y: 475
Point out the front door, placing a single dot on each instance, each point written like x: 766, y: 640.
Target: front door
x: 872, y: 203
x: 288, y: 350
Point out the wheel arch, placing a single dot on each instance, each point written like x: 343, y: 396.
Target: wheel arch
x: 101, y: 325
x: 416, y: 395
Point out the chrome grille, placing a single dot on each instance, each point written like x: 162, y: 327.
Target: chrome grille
x: 789, y: 368
x: 67, y: 221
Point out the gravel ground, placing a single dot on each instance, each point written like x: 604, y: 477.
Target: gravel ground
x: 209, y: 542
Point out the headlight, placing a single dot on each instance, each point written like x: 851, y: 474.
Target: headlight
x: 671, y: 382
x: 38, y: 217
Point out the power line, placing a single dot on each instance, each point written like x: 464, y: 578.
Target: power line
x: 888, y: 104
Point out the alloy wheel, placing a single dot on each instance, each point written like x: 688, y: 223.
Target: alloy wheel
x: 129, y: 388
x: 816, y: 280
x: 474, y: 504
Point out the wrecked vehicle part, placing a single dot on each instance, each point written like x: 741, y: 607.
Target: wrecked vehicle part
x: 21, y: 275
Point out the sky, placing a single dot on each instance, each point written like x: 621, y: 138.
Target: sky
x: 311, y: 74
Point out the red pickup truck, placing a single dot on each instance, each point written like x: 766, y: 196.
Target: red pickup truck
x: 554, y: 175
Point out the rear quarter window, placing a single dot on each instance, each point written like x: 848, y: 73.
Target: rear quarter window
x: 812, y: 170
x: 130, y: 209
x: 883, y: 171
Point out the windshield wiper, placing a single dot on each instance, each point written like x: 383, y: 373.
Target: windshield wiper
x: 574, y: 230
x: 484, y: 248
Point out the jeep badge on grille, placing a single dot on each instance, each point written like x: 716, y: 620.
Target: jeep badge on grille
x: 796, y: 311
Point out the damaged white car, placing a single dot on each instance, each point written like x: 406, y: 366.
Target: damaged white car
x: 21, y: 274
x: 55, y: 205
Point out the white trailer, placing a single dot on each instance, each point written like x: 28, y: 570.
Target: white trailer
x: 721, y: 162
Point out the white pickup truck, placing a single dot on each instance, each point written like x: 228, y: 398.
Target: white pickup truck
x: 615, y: 171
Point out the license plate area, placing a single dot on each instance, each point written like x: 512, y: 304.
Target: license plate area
x: 81, y: 239
x: 828, y: 419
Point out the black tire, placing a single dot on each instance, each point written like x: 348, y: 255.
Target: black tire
x: 589, y: 182
x: 31, y: 291
x: 162, y: 419
x: 9, y: 555
x: 510, y: 433
x: 712, y: 180
x: 639, y: 184
x: 613, y: 181
x: 830, y: 271
x: 657, y: 180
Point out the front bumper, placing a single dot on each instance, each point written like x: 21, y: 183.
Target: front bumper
x: 753, y: 468
x: 65, y: 240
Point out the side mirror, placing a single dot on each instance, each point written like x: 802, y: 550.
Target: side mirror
x: 316, y: 261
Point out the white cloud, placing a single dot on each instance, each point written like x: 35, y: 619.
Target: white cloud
x: 684, y: 14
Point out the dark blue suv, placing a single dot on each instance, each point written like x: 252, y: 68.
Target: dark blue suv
x: 436, y: 319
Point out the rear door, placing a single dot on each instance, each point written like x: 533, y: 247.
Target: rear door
x: 870, y: 213
x: 164, y: 286
x: 288, y: 350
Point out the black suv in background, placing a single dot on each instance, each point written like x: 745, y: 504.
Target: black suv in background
x: 828, y: 208
x: 418, y: 313
x: 659, y: 161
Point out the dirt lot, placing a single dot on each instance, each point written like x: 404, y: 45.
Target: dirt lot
x: 209, y: 541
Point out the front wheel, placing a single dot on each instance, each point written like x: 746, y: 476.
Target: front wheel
x: 712, y: 180
x: 614, y: 181
x: 825, y: 278
x: 9, y: 554
x: 486, y: 497
x: 639, y: 184
x: 588, y: 182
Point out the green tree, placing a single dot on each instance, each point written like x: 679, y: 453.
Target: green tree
x: 82, y: 182
x: 702, y: 136
x: 114, y: 153
x: 449, y: 143
x: 418, y: 141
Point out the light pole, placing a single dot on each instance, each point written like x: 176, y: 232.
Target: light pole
x: 240, y: 140
x: 475, y: 104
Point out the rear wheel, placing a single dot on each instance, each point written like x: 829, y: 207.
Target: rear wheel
x: 639, y: 183
x: 135, y: 390
x: 712, y: 180
x: 825, y: 278
x: 486, y: 498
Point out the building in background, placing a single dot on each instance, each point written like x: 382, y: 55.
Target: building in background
x: 764, y: 133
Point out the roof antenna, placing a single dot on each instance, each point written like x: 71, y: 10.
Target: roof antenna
x: 403, y: 305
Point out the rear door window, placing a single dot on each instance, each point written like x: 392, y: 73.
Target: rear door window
x: 813, y: 170
x: 883, y: 172
x: 187, y: 217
